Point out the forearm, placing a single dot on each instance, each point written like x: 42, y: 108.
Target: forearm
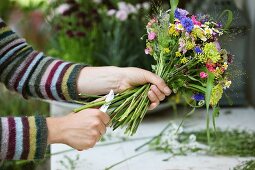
x: 23, y: 138
x: 31, y: 73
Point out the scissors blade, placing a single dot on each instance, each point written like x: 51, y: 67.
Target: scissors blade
x: 109, y: 98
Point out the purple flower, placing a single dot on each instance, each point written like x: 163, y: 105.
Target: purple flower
x: 187, y: 24
x: 180, y: 13
x: 198, y: 50
x: 198, y: 97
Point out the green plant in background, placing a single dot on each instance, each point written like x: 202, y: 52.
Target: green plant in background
x: 5, y: 8
x: 99, y: 33
x: 74, y: 30
x: 246, y: 165
x: 123, y: 28
x: 14, y: 105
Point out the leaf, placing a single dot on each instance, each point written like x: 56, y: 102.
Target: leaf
x: 173, y: 4
x: 215, y: 113
x: 229, y: 19
x: 194, y: 79
x: 208, y: 92
x: 201, y: 88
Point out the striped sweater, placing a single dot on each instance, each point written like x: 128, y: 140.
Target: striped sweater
x: 32, y: 74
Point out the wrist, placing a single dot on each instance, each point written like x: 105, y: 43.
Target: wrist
x: 99, y: 80
x: 55, y: 132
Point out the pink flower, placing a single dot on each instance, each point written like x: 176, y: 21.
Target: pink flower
x: 151, y: 22
x: 195, y: 21
x: 121, y: 15
x: 210, y: 67
x: 203, y: 75
x: 151, y: 35
x: 148, y: 50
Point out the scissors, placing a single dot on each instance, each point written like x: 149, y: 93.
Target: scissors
x: 108, y: 99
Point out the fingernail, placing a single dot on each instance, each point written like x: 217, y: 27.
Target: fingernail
x: 167, y: 90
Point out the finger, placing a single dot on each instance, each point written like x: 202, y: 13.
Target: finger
x: 102, y: 128
x: 153, y: 106
x: 160, y: 95
x: 158, y: 81
x: 105, y: 118
x: 153, y: 98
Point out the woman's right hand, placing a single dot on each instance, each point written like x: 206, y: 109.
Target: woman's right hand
x: 79, y: 130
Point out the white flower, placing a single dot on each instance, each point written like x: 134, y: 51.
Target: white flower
x: 123, y: 6
x: 122, y: 15
x: 132, y: 9
x: 60, y: 9
x: 111, y: 12
x: 192, y: 138
x: 138, y: 6
x: 146, y: 5
x: 179, y: 26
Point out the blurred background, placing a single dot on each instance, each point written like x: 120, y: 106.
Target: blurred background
x: 100, y: 33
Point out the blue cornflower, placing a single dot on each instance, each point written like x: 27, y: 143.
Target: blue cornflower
x: 198, y: 97
x: 180, y: 13
x: 198, y: 50
x: 187, y: 24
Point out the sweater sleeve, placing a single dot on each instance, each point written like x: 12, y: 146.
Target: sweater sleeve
x: 31, y: 73
x: 23, y: 138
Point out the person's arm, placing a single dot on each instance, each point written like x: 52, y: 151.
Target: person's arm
x: 31, y: 73
x: 23, y: 137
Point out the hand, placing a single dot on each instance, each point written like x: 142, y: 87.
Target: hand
x: 80, y: 130
x: 100, y: 80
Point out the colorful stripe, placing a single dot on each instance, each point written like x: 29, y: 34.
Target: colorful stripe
x: 32, y: 137
x: 28, y: 72
x: 23, y: 137
x: 26, y: 139
x: 5, y: 138
x: 19, y: 138
x: 53, y: 86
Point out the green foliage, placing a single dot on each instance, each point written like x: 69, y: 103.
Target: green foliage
x: 227, y: 142
x: 5, y: 8
x: 12, y: 104
x: 88, y: 35
x: 246, y: 165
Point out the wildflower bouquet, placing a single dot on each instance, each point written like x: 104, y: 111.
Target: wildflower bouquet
x: 188, y: 57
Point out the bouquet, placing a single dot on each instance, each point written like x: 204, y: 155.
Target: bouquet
x: 188, y: 57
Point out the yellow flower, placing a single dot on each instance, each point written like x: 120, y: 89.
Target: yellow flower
x: 216, y: 94
x: 178, y: 54
x: 211, y: 52
x: 166, y: 50
x: 197, y: 32
x: 184, y: 60
x: 201, y: 58
x: 172, y: 31
x: 190, y: 45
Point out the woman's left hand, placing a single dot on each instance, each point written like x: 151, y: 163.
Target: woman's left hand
x: 100, y: 80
